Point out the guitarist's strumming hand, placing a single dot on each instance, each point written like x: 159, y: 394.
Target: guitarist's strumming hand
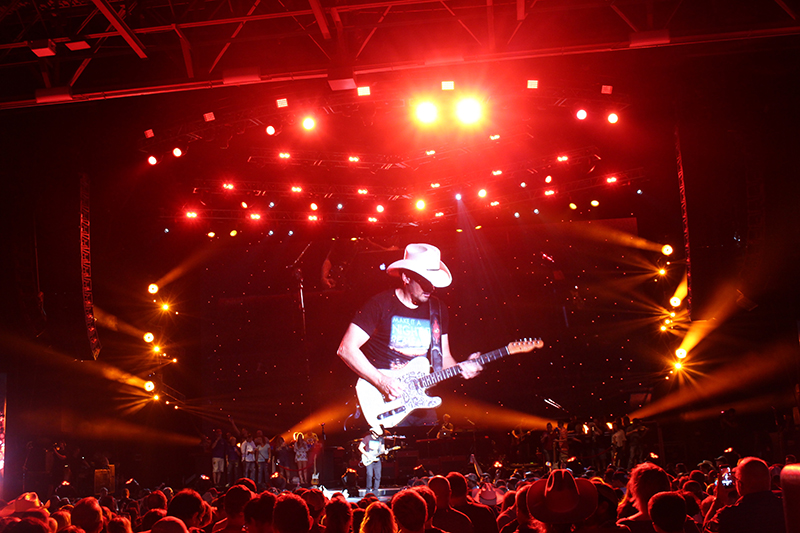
x: 390, y: 386
x: 471, y: 368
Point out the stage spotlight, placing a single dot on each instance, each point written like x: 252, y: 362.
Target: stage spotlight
x: 678, y: 366
x: 496, y: 172
x: 244, y: 205
x: 536, y: 211
x: 613, y: 118
x: 533, y: 84
x: 271, y: 130
x: 482, y: 193
x: 354, y: 159
x: 149, y: 386
x: 211, y: 234
x: 663, y: 328
x: 156, y: 349
x: 152, y: 288
x: 152, y: 160
x: 309, y: 123
x: 523, y: 184
x: 611, y: 179
x: 233, y: 233
x: 458, y: 196
x: 363, y: 91
x: 494, y: 137
x: 339, y: 206
x: 148, y: 337
x: 448, y: 85
x: 662, y: 271
x: 573, y: 206
x: 666, y: 249
x: 549, y: 192
x: 255, y: 216
x: 548, y: 179
x: 439, y: 214
x: 177, y: 152
x: 420, y: 205
x: 581, y: 114
x: 430, y: 152
x: 228, y: 186
x: 372, y: 219
x: 468, y: 111
x: 165, y: 307
x: 379, y: 208
x: 284, y: 155
x: 674, y: 301
x: 155, y: 397
x: 282, y: 102
x: 363, y: 191
x: 313, y: 206
x: 191, y: 214
x: 680, y: 353
x: 562, y: 158
x: 313, y: 218
x: 427, y: 113
x: 595, y: 203
x: 295, y: 188
x: 516, y: 214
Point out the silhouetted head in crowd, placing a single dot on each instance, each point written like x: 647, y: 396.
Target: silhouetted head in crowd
x: 430, y: 500
x: 410, y: 511
x: 187, y: 505
x: 458, y: 488
x: 668, y: 512
x: 338, y: 516
x: 291, y: 514
x: 441, y: 488
x: 169, y: 524
x: 358, y: 517
x: 156, y: 500
x: 27, y: 525
x: 315, y: 501
x: 88, y: 516
x: 119, y: 524
x: 151, y: 517
x: 378, y: 519
x: 235, y: 499
x: 647, y: 479
x: 247, y: 482
x: 752, y: 475
x: 258, y: 513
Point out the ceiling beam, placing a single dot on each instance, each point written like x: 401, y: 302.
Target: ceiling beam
x: 123, y: 29
x: 319, y: 14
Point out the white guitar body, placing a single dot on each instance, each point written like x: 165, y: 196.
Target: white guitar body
x: 388, y: 413
x: 416, y: 378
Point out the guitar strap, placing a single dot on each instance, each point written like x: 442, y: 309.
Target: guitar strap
x: 436, y: 335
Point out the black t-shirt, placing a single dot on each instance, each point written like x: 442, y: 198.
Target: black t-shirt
x: 397, y: 334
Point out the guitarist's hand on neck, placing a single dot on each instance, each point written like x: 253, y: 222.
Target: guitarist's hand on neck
x: 471, y: 368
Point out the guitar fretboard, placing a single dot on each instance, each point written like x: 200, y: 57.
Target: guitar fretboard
x: 437, y: 377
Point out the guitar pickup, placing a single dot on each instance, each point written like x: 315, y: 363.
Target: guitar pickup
x: 387, y: 414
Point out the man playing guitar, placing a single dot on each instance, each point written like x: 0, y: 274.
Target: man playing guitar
x: 371, y: 448
x: 394, y: 327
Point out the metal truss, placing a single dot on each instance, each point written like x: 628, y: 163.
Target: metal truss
x: 86, y: 271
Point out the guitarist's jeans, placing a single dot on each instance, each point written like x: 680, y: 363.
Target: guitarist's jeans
x: 373, y: 476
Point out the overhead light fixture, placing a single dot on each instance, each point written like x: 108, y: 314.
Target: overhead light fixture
x: 341, y: 79
x: 43, y: 48
x: 76, y: 46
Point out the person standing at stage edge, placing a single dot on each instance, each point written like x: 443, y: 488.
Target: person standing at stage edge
x: 394, y: 327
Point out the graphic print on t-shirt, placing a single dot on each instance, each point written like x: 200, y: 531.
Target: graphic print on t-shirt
x: 410, y: 336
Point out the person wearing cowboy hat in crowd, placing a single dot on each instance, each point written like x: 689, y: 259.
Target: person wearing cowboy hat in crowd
x: 394, y: 326
x: 560, y: 501
x: 604, y: 518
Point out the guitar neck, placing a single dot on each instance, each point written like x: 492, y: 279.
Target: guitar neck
x: 437, y: 377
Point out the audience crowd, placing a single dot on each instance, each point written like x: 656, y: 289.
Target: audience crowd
x: 729, y: 495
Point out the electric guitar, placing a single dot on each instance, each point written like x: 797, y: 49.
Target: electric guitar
x: 369, y: 458
x: 416, y: 378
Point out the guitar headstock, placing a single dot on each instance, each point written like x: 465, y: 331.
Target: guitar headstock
x: 524, y: 345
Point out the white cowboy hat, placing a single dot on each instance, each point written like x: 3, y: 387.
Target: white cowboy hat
x: 425, y: 260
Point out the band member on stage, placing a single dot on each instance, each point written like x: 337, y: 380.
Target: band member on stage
x: 395, y: 326
x: 371, y: 448
x: 446, y: 430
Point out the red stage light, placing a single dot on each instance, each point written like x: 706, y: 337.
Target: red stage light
x: 363, y: 91
x: 550, y: 192
x: 380, y: 209
x: 309, y: 123
x: 177, y: 152
x: 448, y: 85
x: 227, y: 186
x: 482, y: 193
x: 314, y: 207
x: 581, y: 114
x: 270, y: 130
x: 533, y: 84
x: 469, y: 111
x: 420, y: 205
x: 611, y: 179
x: 191, y: 214
x: 548, y: 179
x: 152, y: 160
x: 282, y: 102
x: 255, y: 216
x: 426, y: 112
x: 297, y: 189
x: 613, y: 118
